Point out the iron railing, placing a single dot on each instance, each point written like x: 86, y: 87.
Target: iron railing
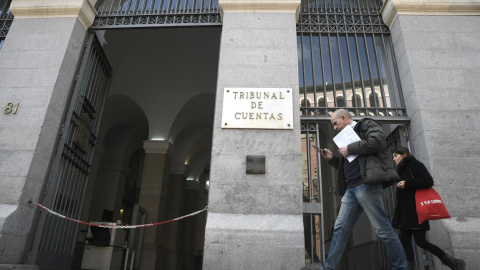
x: 155, y: 13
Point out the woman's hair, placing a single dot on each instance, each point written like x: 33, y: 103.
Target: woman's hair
x: 401, y: 151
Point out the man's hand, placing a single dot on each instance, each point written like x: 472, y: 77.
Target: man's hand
x: 343, y: 151
x: 401, y: 185
x: 326, y: 153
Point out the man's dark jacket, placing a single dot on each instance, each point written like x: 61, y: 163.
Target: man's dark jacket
x: 375, y: 165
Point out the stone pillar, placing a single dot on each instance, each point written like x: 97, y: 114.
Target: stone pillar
x: 255, y: 220
x: 174, y: 208
x: 438, y: 56
x: 201, y: 200
x: 37, y: 67
x: 152, y: 198
x: 188, y: 226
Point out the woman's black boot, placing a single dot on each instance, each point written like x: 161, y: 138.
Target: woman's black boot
x: 455, y: 264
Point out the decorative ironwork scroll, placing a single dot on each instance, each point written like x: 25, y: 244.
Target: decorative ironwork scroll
x: 349, y: 16
x: 82, y: 133
x: 308, y: 126
x: 361, y: 112
x: 155, y: 13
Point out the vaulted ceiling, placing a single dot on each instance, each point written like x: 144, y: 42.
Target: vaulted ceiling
x: 164, y: 81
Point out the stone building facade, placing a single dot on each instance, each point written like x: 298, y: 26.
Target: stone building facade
x: 117, y: 107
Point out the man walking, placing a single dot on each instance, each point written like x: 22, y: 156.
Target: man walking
x: 360, y: 182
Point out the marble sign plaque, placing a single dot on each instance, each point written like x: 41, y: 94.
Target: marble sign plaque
x: 257, y: 108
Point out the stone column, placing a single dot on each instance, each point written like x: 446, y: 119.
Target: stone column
x: 438, y: 55
x: 37, y: 67
x: 152, y: 198
x: 201, y: 200
x: 255, y: 220
x: 188, y: 226
x: 174, y: 208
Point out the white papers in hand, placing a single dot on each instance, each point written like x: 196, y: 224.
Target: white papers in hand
x: 346, y: 137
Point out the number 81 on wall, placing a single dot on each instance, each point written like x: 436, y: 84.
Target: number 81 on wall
x: 11, y: 108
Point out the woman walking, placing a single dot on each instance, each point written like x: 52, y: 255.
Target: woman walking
x: 415, y: 176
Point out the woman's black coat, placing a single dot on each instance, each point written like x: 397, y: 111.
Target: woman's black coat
x: 405, y: 216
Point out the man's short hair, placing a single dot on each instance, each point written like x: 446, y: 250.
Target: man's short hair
x: 342, y: 112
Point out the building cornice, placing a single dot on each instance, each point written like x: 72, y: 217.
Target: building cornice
x: 84, y: 10
x: 266, y: 6
x: 392, y: 8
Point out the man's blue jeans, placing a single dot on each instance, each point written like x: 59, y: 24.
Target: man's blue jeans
x: 366, y: 198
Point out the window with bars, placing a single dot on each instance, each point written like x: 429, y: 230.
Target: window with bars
x: 346, y: 60
x: 6, y: 18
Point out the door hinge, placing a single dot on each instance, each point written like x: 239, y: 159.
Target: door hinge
x: 61, y: 131
x: 46, y: 190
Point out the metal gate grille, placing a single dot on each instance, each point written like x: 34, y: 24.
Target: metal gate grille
x: 312, y: 196
x: 67, y: 183
x: 155, y: 13
x: 346, y: 60
x: 6, y: 19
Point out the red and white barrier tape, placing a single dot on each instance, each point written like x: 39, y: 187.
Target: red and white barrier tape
x: 116, y: 226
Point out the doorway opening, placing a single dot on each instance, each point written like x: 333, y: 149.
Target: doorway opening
x: 162, y: 90
x: 152, y: 149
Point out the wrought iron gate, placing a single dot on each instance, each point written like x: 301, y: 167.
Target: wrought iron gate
x: 345, y: 60
x: 53, y: 246
x: 313, y: 195
x: 6, y: 18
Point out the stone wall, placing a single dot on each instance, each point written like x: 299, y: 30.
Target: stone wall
x: 438, y: 56
x: 255, y: 220
x: 38, y: 62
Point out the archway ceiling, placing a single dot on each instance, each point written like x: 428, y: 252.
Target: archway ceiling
x: 171, y: 74
x: 121, y: 110
x: 124, y: 128
x: 162, y: 69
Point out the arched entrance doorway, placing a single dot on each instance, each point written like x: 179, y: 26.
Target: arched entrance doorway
x: 156, y: 137
x: 153, y: 147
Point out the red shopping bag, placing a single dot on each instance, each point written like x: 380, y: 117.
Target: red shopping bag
x: 429, y: 205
